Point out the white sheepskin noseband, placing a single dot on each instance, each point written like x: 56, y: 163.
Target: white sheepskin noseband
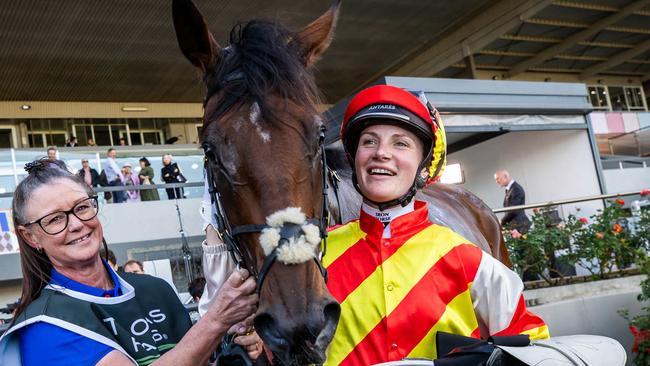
x: 297, y: 250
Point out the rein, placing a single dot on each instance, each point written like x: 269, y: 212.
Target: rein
x: 229, y: 234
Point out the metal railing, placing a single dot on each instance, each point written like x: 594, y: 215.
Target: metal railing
x: 609, y: 162
x: 133, y: 188
x: 635, y: 143
x: 566, y: 201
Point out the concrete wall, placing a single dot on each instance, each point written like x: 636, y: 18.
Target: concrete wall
x: 550, y: 165
x: 147, y: 221
x: 624, y: 180
x: 590, y: 308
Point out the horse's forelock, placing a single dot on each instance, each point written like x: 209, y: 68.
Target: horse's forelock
x: 261, y: 61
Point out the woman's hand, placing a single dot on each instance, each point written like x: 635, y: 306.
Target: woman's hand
x: 235, y: 301
x: 251, y: 342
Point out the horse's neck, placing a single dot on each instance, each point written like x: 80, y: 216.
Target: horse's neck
x: 350, y: 201
x: 452, y: 215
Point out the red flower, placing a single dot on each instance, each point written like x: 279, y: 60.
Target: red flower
x: 515, y: 234
x: 639, y: 336
x: 645, y: 192
x: 620, y: 201
x: 536, y: 210
x: 584, y: 220
x: 617, y: 228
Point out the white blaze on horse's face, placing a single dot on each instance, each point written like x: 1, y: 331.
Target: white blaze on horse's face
x: 230, y: 160
x: 254, y: 116
x: 298, y: 249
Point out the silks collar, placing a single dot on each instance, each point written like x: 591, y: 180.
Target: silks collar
x: 404, y: 224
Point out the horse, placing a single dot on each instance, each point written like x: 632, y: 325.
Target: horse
x: 262, y: 137
x: 265, y: 162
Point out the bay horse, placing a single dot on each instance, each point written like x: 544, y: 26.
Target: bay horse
x: 262, y: 137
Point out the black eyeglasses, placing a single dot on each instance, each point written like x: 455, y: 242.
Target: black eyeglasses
x: 56, y: 222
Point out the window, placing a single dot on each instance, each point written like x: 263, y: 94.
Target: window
x: 104, y: 131
x: 6, y: 136
x: 598, y: 97
x: 634, y: 97
x: 45, y: 139
x: 617, y: 98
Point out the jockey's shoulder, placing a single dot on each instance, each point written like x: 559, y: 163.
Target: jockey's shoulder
x: 448, y: 233
x: 338, y: 226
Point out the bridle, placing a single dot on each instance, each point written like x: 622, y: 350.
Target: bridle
x: 231, y: 234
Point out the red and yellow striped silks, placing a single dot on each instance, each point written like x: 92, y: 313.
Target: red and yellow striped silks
x: 525, y: 322
x: 396, y: 293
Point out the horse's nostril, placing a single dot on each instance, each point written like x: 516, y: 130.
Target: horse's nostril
x: 332, y: 311
x: 267, y: 329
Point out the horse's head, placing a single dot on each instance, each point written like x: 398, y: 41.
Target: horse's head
x: 261, y: 136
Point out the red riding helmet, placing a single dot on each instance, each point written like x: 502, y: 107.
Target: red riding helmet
x: 385, y: 104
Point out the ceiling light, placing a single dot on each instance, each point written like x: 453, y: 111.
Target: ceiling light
x: 25, y: 107
x: 134, y: 109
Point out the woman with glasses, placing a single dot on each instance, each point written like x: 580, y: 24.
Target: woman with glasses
x: 75, y: 310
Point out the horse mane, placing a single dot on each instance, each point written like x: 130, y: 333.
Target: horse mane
x: 261, y: 60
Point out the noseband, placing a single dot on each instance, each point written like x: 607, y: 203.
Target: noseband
x: 230, y: 235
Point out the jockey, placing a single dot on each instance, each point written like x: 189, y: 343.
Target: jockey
x: 400, y: 278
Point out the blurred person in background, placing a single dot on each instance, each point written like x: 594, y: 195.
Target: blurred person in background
x: 171, y: 173
x: 51, y: 153
x: 514, y: 196
x: 195, y: 288
x: 114, y: 175
x: 72, y: 142
x: 133, y: 266
x: 90, y: 142
x: 88, y: 174
x: 146, y: 175
x: 131, y: 179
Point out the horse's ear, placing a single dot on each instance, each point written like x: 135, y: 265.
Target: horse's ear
x: 314, y: 39
x: 194, y: 37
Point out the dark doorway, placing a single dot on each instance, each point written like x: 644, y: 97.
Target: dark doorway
x: 6, y: 138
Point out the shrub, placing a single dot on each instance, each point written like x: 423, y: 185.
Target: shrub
x: 600, y: 247
x: 534, y: 251
x: 640, y: 324
x: 607, y: 241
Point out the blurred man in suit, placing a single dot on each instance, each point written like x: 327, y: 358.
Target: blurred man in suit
x: 515, y: 196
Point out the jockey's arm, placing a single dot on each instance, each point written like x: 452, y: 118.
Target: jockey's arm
x: 217, y: 266
x: 217, y: 263
x: 499, y: 305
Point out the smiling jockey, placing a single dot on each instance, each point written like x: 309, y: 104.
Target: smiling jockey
x: 400, y: 278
